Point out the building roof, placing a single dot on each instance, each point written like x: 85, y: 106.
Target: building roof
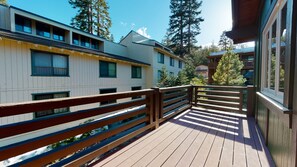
x: 237, y: 51
x: 245, y: 15
x: 57, y: 44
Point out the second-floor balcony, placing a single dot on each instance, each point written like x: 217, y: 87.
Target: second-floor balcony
x: 177, y: 126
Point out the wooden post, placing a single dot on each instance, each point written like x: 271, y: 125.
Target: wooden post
x: 161, y: 98
x: 195, y: 95
x: 240, y: 100
x: 151, y: 105
x: 250, y: 101
x: 190, y: 90
x: 157, y: 106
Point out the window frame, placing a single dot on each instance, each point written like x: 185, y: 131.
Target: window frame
x: 40, y: 31
x: 275, y: 17
x: 172, y: 61
x: 51, y: 55
x: 135, y: 68
x: 50, y: 93
x: 22, y: 26
x: 136, y: 88
x: 108, y: 75
x: 59, y: 30
x: 161, y: 58
x: 180, y: 64
x: 109, y: 101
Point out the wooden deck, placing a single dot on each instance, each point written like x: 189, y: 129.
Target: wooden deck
x: 196, y: 138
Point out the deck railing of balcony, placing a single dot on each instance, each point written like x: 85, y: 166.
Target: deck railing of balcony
x: 156, y: 105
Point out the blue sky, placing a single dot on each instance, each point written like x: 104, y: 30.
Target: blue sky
x: 149, y: 17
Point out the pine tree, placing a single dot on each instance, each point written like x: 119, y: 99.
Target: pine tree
x: 182, y: 78
x: 225, y: 43
x: 184, y: 24
x: 3, y: 2
x: 193, y: 23
x: 92, y: 16
x: 228, y: 71
x: 103, y: 21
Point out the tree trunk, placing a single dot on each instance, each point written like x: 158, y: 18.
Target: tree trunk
x: 98, y: 18
x: 90, y: 19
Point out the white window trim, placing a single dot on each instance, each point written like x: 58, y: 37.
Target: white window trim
x: 275, y: 16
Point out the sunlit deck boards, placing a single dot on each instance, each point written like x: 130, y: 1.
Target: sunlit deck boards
x: 196, y: 138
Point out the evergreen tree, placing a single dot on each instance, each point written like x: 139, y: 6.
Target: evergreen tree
x: 192, y: 22
x: 228, y: 71
x: 92, y: 16
x: 184, y: 24
x: 225, y: 43
x: 3, y: 2
x: 181, y: 78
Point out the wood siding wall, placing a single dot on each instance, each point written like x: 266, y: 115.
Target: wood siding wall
x: 279, y: 137
x: 17, y: 84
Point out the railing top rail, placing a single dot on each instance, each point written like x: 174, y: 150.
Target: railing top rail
x: 40, y: 105
x: 222, y: 86
x: 174, y: 88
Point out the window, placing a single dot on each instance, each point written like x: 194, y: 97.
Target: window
x: 180, y: 64
x: 43, y: 29
x: 49, y: 64
x: 108, y: 69
x: 274, y: 52
x: 136, y: 72
x: 171, y: 61
x: 161, y: 58
x: 45, y: 96
x: 75, y: 39
x: 106, y: 91
x: 58, y: 34
x: 134, y: 89
x: 23, y: 24
x: 94, y: 44
x: 85, y: 41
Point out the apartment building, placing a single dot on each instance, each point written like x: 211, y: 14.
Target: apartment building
x: 41, y: 58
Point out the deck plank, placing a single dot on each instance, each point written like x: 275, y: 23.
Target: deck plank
x: 158, y: 156
x: 203, y: 153
x: 153, y: 146
x: 135, y: 148
x: 252, y: 157
x: 239, y: 148
x: 197, y: 138
x: 216, y: 150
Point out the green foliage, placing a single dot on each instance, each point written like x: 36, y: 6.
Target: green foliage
x: 198, y: 81
x: 3, y: 2
x: 184, y: 25
x: 167, y: 80
x: 228, y: 71
x: 225, y: 43
x: 92, y: 16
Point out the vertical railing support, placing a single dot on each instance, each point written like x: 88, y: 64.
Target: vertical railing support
x: 151, y: 107
x: 190, y: 90
x: 240, y: 100
x: 156, y: 106
x: 195, y: 95
x: 250, y: 101
x: 161, y: 104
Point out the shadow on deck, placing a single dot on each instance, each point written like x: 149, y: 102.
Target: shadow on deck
x: 197, y: 138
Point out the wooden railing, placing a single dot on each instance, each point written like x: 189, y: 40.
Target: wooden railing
x: 238, y: 99
x: 145, y: 113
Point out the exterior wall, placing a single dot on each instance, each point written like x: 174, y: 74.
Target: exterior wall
x: 276, y: 126
x: 115, y: 48
x: 4, y: 17
x: 158, y: 66
x: 17, y: 84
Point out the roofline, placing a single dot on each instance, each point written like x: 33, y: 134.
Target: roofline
x: 66, y: 25
x: 58, y: 44
x: 168, y: 53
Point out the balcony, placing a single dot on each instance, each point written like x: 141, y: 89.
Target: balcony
x: 177, y: 126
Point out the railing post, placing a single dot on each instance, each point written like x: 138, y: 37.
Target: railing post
x: 157, y: 106
x: 250, y: 101
x: 161, y: 98
x: 195, y: 95
x: 190, y: 90
x: 240, y: 100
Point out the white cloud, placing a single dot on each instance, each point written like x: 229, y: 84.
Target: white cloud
x: 143, y: 31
